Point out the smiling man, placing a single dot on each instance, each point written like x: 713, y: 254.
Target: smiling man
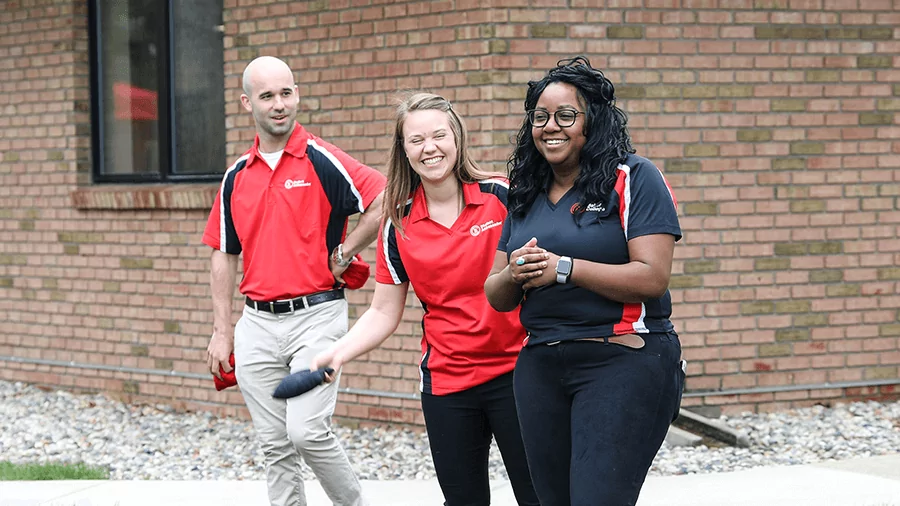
x: 284, y: 205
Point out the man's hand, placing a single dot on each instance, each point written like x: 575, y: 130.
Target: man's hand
x: 223, y: 270
x: 336, y: 270
x: 221, y: 345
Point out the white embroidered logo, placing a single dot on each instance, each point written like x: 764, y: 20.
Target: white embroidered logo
x: 598, y: 207
x: 476, y: 230
x: 288, y: 183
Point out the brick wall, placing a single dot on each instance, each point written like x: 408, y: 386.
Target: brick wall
x: 775, y: 121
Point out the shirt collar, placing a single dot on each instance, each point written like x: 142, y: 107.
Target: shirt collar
x: 419, y: 209
x: 471, y: 194
x: 296, y: 144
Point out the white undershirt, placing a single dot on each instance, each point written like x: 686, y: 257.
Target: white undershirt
x: 272, y: 158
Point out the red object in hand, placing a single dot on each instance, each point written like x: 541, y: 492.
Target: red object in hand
x: 357, y: 273
x: 228, y: 380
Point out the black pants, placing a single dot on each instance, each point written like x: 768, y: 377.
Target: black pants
x: 459, y: 428
x: 594, y: 415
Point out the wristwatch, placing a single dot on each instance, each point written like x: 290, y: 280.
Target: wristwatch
x: 339, y: 256
x: 563, y: 270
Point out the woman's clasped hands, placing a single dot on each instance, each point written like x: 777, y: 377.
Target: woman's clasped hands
x: 532, y: 266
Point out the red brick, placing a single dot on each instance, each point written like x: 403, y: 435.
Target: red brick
x: 354, y: 57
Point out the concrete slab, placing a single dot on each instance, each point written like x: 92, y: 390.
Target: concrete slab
x: 215, y: 493
x: 174, y: 493
x: 29, y: 493
x: 885, y: 466
x: 871, y: 481
x: 773, y: 486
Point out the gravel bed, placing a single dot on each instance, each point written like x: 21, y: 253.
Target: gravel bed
x: 143, y: 442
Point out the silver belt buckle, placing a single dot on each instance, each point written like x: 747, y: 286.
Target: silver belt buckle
x: 272, y: 307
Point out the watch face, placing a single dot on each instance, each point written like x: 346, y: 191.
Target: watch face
x: 564, y: 266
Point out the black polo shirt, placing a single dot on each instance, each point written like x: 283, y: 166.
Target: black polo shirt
x: 641, y: 204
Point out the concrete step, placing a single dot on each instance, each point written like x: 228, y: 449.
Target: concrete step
x: 714, y: 429
x: 681, y: 437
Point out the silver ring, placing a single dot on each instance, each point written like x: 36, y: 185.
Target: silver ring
x: 520, y: 261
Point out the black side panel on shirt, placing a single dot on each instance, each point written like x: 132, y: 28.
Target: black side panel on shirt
x: 426, y: 372
x: 498, y: 190
x: 393, y: 254
x: 340, y: 194
x: 232, y: 242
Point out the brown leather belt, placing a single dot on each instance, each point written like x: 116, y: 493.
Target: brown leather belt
x: 629, y: 340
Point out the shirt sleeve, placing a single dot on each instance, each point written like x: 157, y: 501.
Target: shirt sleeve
x: 349, y: 185
x: 220, y: 232
x: 647, y: 204
x: 389, y: 269
x: 503, y: 243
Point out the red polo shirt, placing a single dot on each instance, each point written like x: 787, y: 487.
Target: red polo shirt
x: 287, y: 221
x: 465, y: 342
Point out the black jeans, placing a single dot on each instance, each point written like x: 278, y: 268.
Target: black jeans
x: 459, y: 429
x: 594, y: 415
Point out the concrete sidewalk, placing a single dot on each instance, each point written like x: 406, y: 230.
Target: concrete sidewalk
x: 871, y: 481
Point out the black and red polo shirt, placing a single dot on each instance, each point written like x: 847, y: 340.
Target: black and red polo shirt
x: 465, y: 342
x: 287, y: 221
x: 641, y: 204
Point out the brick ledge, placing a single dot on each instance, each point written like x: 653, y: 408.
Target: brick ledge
x: 152, y: 196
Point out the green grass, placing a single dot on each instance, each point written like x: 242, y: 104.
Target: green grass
x: 28, y: 472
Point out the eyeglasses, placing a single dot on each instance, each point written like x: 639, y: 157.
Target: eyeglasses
x: 563, y: 117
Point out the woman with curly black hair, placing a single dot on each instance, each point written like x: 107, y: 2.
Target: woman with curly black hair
x: 586, y: 251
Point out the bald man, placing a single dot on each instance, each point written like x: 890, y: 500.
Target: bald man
x: 284, y: 205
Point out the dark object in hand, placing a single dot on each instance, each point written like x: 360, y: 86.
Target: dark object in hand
x: 301, y: 382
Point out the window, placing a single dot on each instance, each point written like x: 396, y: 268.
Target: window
x: 158, y: 104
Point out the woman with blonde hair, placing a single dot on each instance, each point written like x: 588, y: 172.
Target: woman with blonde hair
x: 443, y: 217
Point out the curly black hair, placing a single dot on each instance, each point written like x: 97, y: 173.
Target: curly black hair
x: 607, y: 140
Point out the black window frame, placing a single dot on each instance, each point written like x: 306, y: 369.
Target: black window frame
x: 166, y: 85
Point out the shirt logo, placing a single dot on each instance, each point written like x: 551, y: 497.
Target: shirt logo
x: 288, y: 183
x: 597, y: 207
x: 476, y: 230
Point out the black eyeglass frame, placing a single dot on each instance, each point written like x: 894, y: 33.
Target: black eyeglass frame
x: 529, y: 115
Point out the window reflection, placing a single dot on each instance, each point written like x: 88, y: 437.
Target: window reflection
x: 199, y: 65
x: 130, y: 76
x: 160, y: 89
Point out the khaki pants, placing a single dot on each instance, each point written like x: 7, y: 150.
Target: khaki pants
x: 268, y: 347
